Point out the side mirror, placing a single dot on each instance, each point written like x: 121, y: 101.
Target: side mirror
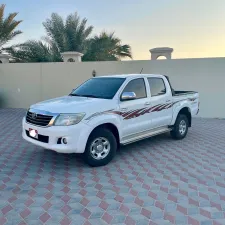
x: 126, y: 96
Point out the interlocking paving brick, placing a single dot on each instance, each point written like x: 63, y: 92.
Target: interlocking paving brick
x: 6, y: 209
x: 211, y: 213
x: 25, y: 213
x: 162, y: 222
x: 199, y: 220
x: 140, y: 219
x: 113, y: 204
x: 93, y: 222
x: 65, y: 221
x: 200, y: 202
x: 107, y: 217
x: 44, y: 217
x: 152, y: 212
x: 77, y: 219
x: 219, y: 222
x: 96, y: 212
x: 3, y: 220
x: 118, y: 218
x: 187, y: 209
x: 156, y: 181
x: 176, y: 217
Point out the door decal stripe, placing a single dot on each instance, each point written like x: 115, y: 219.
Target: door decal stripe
x: 139, y: 112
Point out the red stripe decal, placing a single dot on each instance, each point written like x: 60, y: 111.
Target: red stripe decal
x: 139, y: 112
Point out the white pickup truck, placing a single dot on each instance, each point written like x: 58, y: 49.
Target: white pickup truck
x: 108, y: 111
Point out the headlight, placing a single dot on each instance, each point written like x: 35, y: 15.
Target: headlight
x: 68, y: 119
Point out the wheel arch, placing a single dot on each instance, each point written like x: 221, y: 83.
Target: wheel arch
x: 186, y: 111
x: 110, y: 126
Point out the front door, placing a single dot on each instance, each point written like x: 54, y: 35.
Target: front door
x: 161, y: 102
x: 133, y: 118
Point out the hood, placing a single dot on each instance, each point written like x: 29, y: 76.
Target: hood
x: 74, y: 104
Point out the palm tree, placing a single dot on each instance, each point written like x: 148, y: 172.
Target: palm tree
x: 34, y: 51
x: 7, y: 27
x: 71, y: 35
x: 61, y: 37
x: 106, y: 47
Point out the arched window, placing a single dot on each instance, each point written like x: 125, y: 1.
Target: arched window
x: 70, y: 60
x: 161, y: 57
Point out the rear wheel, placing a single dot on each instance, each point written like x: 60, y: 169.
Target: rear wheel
x: 101, y: 147
x: 180, y: 128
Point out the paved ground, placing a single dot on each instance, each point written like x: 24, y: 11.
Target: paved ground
x: 156, y: 181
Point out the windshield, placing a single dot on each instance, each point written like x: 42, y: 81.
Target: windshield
x: 99, y: 88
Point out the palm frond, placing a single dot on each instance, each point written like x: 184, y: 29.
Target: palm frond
x: 9, y: 19
x: 8, y: 26
x: 56, y: 30
x: 77, y: 32
x: 2, y: 8
x: 106, y: 47
x: 33, y: 51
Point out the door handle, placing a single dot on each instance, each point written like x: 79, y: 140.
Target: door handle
x: 168, y: 101
x: 123, y: 109
x: 147, y: 103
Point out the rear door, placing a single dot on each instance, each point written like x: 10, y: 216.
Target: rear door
x: 134, y: 120
x: 161, y: 102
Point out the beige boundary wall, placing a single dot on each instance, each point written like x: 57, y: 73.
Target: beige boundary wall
x: 25, y: 84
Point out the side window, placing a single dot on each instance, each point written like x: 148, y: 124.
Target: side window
x: 157, y: 86
x: 138, y: 87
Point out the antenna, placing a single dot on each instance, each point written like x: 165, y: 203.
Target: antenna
x: 141, y: 70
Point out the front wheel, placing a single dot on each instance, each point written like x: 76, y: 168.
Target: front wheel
x: 180, y: 128
x: 101, y: 147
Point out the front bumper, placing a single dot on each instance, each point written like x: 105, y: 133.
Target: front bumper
x: 76, y: 136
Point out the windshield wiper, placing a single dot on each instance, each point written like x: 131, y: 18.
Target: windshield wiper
x: 88, y: 96
x: 74, y: 95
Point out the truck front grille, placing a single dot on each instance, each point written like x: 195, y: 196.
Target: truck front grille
x: 38, y: 119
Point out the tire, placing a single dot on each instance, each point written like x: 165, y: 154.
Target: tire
x: 178, y: 133
x: 100, y: 157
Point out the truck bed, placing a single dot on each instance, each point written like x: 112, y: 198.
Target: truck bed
x: 179, y: 93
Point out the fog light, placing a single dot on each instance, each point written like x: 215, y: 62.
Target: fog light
x: 64, y: 140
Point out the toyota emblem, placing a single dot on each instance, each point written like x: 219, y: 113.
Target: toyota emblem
x: 34, y: 116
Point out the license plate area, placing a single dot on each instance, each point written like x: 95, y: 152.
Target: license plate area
x: 37, y: 136
x: 33, y: 133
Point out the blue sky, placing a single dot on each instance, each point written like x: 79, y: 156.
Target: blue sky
x: 194, y: 28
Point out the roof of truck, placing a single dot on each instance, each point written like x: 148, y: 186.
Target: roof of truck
x: 133, y: 75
